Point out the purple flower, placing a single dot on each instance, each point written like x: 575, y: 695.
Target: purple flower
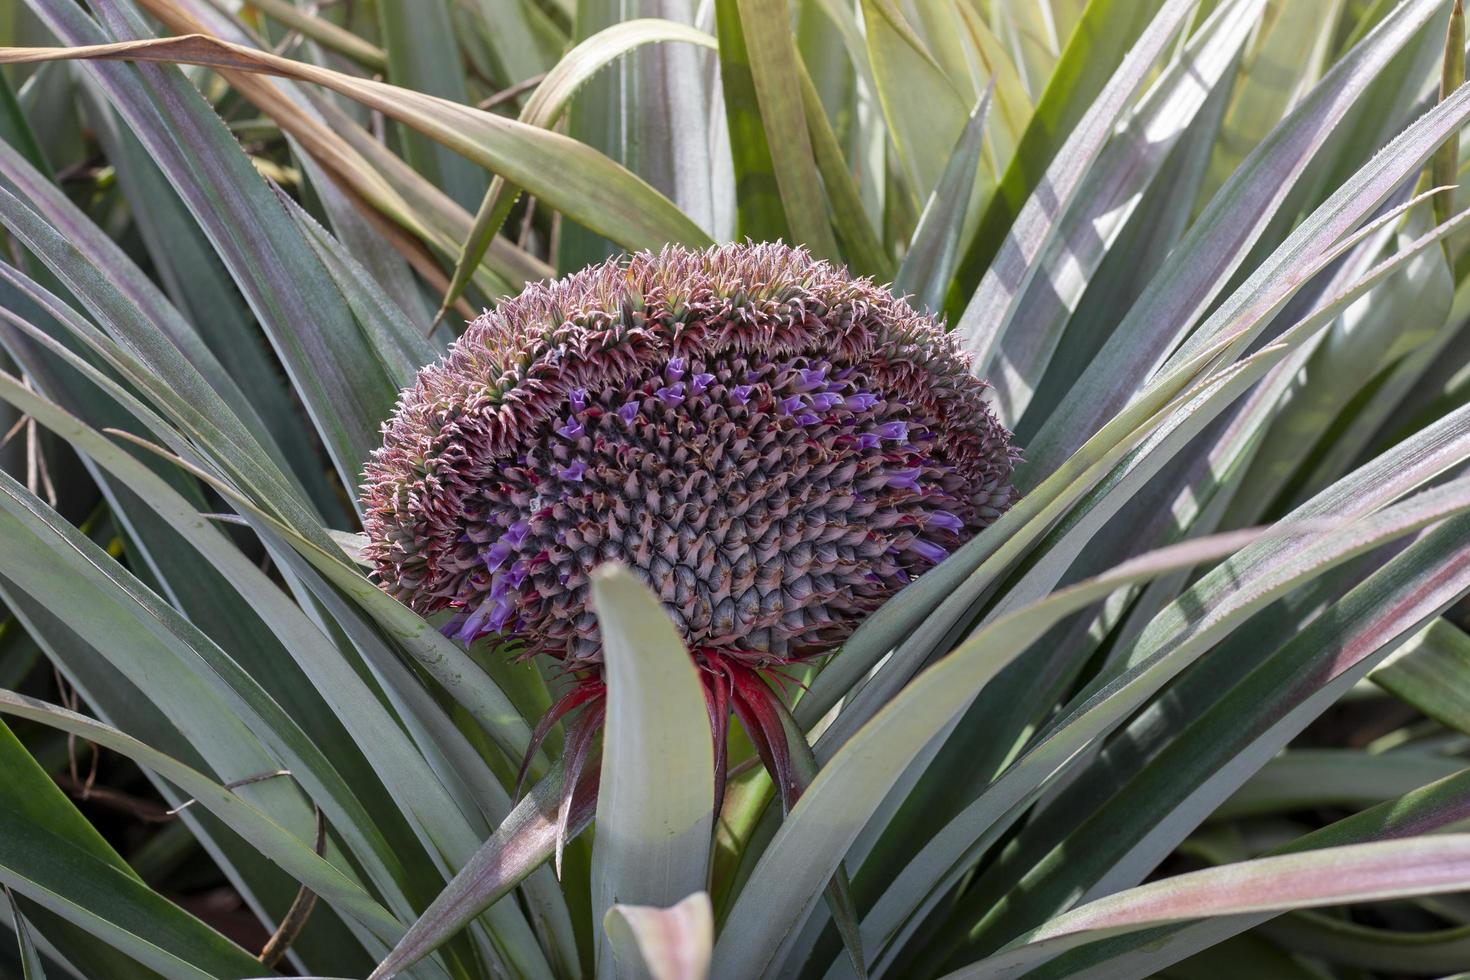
x: 808, y: 418
x: 741, y: 393
x: 861, y: 402
x: 578, y: 398
x: 672, y: 396
x: 674, y: 370
x: 628, y: 412
x: 574, y: 471
x: 571, y: 430
x: 792, y: 405
x: 700, y: 382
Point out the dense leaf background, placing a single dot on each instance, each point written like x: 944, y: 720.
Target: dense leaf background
x: 1197, y: 706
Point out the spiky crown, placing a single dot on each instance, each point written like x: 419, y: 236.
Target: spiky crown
x: 774, y: 447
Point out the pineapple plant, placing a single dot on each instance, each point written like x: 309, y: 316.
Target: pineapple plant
x: 814, y: 489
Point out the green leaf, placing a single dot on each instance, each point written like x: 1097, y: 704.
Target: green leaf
x: 995, y: 713
x: 113, y: 906
x: 184, y: 673
x: 796, y: 865
x: 1331, y: 876
x: 401, y: 348
x: 28, y: 793
x: 655, y: 809
x: 1283, y: 62
x: 1216, y: 244
x: 1061, y: 234
x: 1031, y: 30
x: 933, y: 252
x: 1010, y: 272
x: 1438, y: 952
x: 772, y: 59
x: 545, y: 107
x: 324, y: 32
x: 1402, y: 314
x: 200, y: 287
x: 423, y: 55
x: 761, y: 214
x: 522, y: 843
x: 957, y: 586
x: 449, y: 664
x: 134, y: 313
x: 53, y: 857
x: 1431, y: 674
x: 1160, y: 778
x: 1092, y: 54
x: 331, y: 365
x: 1013, y: 106
x: 1438, y: 806
x: 587, y: 187
x: 30, y: 959
x: 270, y: 838
x: 671, y: 943
x: 15, y: 129
x: 1304, y: 778
x: 924, y: 112
x: 1445, y: 165
x: 509, y: 34
x: 864, y: 252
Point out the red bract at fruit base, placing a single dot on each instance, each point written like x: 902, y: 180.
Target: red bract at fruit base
x: 774, y: 447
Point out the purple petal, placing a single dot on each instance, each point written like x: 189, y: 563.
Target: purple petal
x: 905, y: 479
x: 741, y: 393
x: 812, y: 378
x: 504, y: 606
x: 823, y: 401
x: 471, y: 627
x: 572, y: 430
x: 945, y: 520
x: 516, y: 574
x: 501, y: 585
x: 928, y: 550
x: 497, y: 554
x: 808, y: 418
x: 861, y: 402
x: 791, y: 405
x: 451, y: 627
x: 672, y: 395
x: 628, y: 412
x: 894, y: 431
x: 578, y: 397
x: 515, y: 535
x: 867, y: 440
x: 699, y: 382
x: 675, y: 369
x: 573, y: 472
